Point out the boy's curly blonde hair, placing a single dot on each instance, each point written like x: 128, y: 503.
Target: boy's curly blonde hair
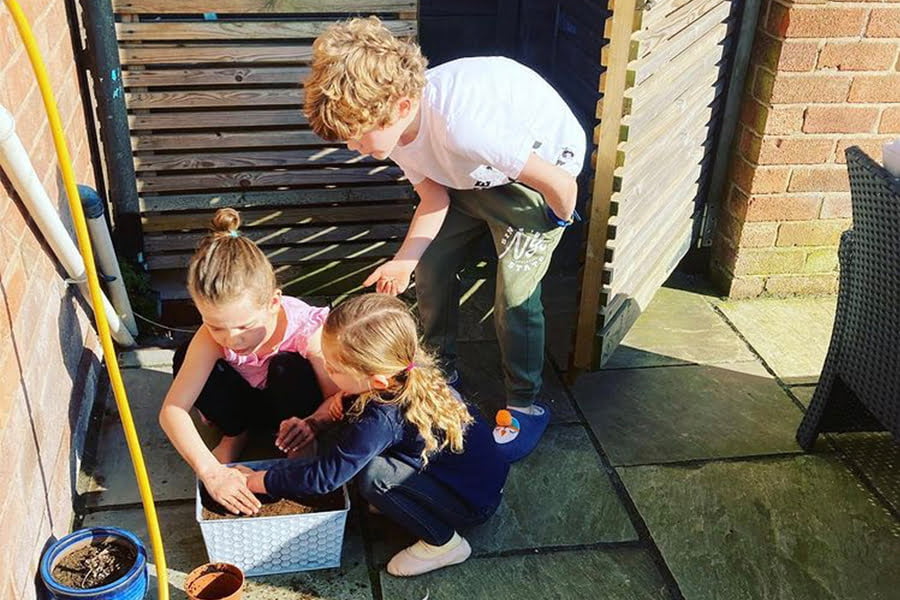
x: 359, y: 72
x: 375, y: 334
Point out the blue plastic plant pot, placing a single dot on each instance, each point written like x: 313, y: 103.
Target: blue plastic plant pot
x: 131, y: 586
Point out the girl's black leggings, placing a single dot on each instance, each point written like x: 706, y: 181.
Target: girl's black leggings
x: 234, y: 406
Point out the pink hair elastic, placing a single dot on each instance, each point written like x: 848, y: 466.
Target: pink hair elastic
x: 410, y: 367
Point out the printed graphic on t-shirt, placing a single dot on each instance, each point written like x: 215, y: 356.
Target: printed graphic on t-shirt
x: 566, y: 156
x: 522, y: 250
x: 486, y: 176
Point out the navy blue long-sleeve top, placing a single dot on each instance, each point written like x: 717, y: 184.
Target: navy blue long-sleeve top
x: 477, y: 474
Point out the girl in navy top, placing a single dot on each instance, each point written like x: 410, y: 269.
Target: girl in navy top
x: 420, y: 455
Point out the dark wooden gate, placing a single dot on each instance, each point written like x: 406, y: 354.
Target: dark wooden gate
x: 214, y: 96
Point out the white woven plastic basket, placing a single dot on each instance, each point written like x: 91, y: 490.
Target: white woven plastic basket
x: 278, y: 544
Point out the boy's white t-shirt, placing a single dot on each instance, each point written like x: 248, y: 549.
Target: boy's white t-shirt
x: 480, y: 120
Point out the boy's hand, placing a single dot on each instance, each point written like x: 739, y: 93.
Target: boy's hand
x: 392, y: 277
x: 293, y: 434
x: 228, y: 487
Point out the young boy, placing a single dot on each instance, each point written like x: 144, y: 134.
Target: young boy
x: 489, y: 147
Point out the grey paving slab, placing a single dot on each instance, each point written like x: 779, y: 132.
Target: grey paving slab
x: 146, y: 357
x: 798, y: 528
x: 615, y: 574
x: 679, y: 327
x: 111, y: 481
x: 791, y: 334
x: 185, y: 550
x: 804, y: 393
x: 667, y: 414
x: 877, y: 457
x: 482, y: 372
x: 557, y: 496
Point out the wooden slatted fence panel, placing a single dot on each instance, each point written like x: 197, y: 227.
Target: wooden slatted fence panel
x: 214, y: 95
x: 663, y: 141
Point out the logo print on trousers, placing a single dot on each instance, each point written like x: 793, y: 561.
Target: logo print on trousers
x: 524, y: 250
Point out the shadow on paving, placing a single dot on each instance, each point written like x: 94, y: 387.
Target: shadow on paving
x: 674, y: 474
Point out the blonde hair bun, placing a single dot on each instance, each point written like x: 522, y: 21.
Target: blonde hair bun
x: 226, y: 220
x: 228, y: 265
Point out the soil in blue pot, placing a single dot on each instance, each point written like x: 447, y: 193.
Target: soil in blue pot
x: 94, y: 565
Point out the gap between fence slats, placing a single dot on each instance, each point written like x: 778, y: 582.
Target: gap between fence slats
x: 284, y: 216
x: 263, y: 6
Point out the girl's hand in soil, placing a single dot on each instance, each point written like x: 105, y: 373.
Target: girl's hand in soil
x: 228, y: 487
x: 256, y: 480
x: 293, y: 434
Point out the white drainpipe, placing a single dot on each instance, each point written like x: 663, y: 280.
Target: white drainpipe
x: 105, y: 254
x: 17, y: 166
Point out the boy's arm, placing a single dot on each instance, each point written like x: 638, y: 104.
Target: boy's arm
x: 558, y: 186
x: 393, y: 276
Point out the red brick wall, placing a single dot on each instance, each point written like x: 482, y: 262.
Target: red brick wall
x: 823, y: 76
x: 49, y: 365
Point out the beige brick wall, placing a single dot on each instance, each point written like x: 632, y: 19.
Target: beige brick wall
x: 49, y: 356
x: 823, y: 76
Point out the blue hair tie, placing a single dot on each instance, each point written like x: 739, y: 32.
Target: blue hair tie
x: 234, y: 233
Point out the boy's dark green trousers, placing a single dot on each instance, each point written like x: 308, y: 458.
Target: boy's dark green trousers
x: 524, y: 238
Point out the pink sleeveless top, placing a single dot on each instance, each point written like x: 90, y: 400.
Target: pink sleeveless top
x: 302, y: 322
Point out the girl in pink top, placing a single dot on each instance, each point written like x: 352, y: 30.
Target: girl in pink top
x: 254, y: 364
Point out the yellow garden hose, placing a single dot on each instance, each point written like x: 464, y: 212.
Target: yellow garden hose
x: 84, y: 244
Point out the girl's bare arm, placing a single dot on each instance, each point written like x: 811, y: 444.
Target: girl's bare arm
x: 227, y: 486
x: 174, y: 417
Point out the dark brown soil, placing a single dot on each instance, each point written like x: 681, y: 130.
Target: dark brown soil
x: 272, y: 507
x: 95, y: 565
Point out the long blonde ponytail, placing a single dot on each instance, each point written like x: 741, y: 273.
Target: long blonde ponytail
x: 375, y: 334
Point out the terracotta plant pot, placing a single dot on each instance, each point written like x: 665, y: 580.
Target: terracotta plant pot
x: 215, y: 581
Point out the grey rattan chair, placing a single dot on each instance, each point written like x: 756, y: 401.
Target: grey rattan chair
x: 859, y: 389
